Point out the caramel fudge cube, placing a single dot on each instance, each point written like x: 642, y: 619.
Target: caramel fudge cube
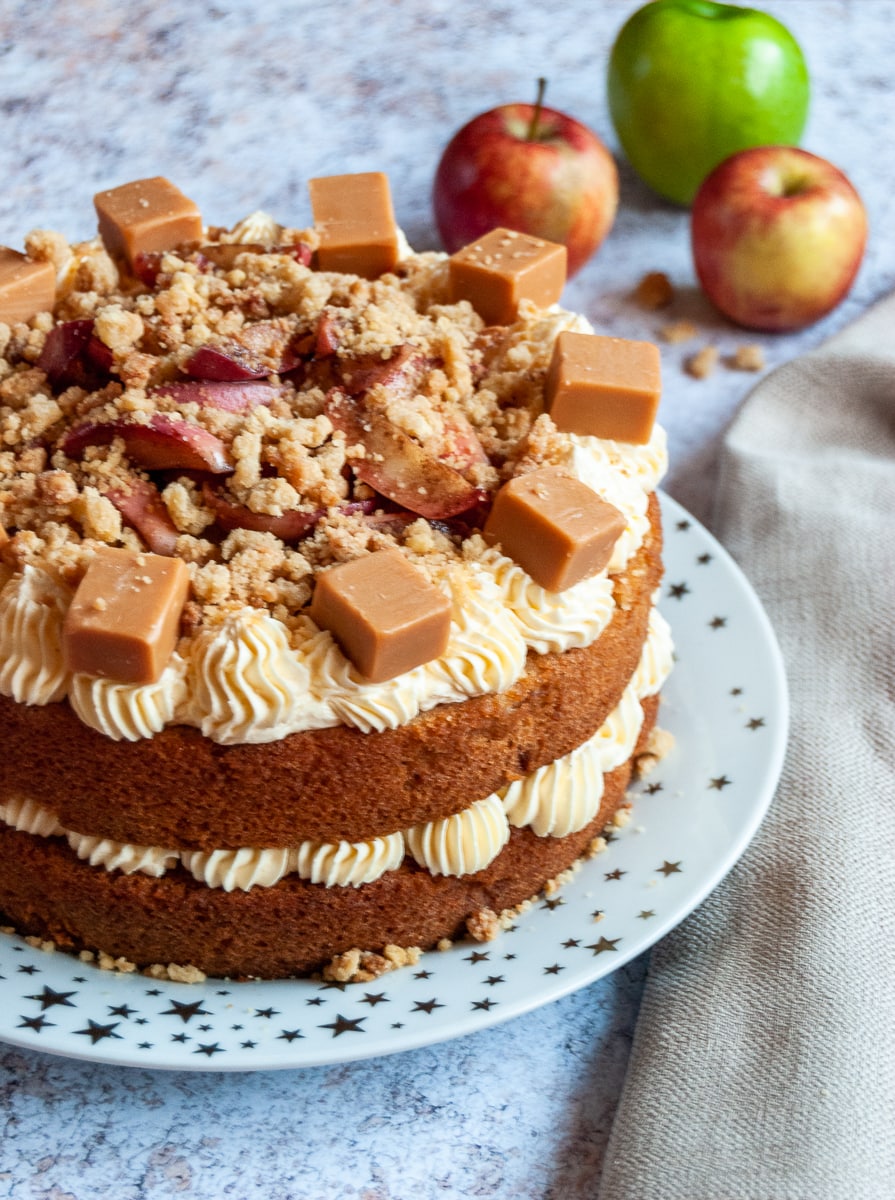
x: 124, y: 619
x: 606, y: 387
x: 145, y: 216
x: 554, y: 526
x: 384, y: 613
x: 355, y: 222
x: 27, y: 287
x: 504, y: 267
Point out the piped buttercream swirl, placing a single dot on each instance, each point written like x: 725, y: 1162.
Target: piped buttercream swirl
x: 486, y: 652
x: 32, y: 613
x: 27, y: 816
x: 125, y: 711
x: 349, y: 864
x: 245, y: 678
x: 463, y: 843
x: 560, y: 798
x: 550, y: 622
x: 657, y: 657
x: 122, y: 856
x: 237, y: 870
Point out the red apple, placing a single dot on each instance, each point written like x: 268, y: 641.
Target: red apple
x: 526, y: 167
x: 778, y: 235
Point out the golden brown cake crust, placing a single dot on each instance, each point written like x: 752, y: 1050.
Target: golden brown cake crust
x: 290, y: 929
x: 181, y: 790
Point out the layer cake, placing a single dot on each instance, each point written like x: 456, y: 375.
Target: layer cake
x: 327, y: 621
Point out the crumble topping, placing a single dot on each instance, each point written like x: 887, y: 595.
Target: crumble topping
x: 96, y: 399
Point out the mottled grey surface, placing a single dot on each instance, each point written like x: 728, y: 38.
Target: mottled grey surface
x: 240, y: 104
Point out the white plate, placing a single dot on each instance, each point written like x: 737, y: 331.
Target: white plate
x: 725, y: 703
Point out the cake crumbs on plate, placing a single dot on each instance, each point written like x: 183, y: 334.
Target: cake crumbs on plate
x: 484, y: 925
x: 45, y: 944
x: 659, y: 743
x: 363, y: 966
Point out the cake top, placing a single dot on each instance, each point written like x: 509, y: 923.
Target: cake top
x: 228, y: 401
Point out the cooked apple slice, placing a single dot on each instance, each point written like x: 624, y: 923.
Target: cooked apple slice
x: 72, y: 354
x: 461, y: 447
x: 163, y: 442
x: 328, y: 334
x: 255, y: 352
x: 142, y: 507
x: 397, y: 466
x: 288, y: 526
x: 226, y: 362
x: 228, y: 396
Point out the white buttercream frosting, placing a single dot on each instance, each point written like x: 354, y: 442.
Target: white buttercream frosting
x: 27, y: 816
x: 32, y: 613
x: 349, y: 864
x: 657, y: 657
x: 559, y: 799
x: 565, y: 795
x: 122, y: 856
x: 486, y: 652
x: 258, y: 227
x: 240, y: 870
x: 550, y: 622
x: 463, y: 843
x: 126, y: 711
x: 244, y: 679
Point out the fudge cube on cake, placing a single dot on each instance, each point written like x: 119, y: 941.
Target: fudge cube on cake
x: 27, y: 286
x: 604, y: 387
x: 384, y: 613
x: 355, y: 223
x: 145, y: 217
x: 554, y: 526
x: 502, y: 269
x: 125, y: 616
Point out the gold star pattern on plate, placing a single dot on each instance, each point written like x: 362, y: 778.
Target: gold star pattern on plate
x: 603, y: 945
x: 670, y: 868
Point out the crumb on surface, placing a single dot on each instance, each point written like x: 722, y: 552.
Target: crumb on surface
x: 701, y: 364
x: 655, y: 290
x: 747, y: 358
x: 675, y: 332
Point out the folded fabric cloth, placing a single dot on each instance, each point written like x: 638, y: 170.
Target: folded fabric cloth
x: 763, y: 1065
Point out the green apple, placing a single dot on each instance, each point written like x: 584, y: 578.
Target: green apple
x: 693, y: 81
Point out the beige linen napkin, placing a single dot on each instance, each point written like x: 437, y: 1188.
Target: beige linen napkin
x: 763, y: 1065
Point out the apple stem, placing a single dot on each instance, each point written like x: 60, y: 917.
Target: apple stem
x: 532, y: 135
